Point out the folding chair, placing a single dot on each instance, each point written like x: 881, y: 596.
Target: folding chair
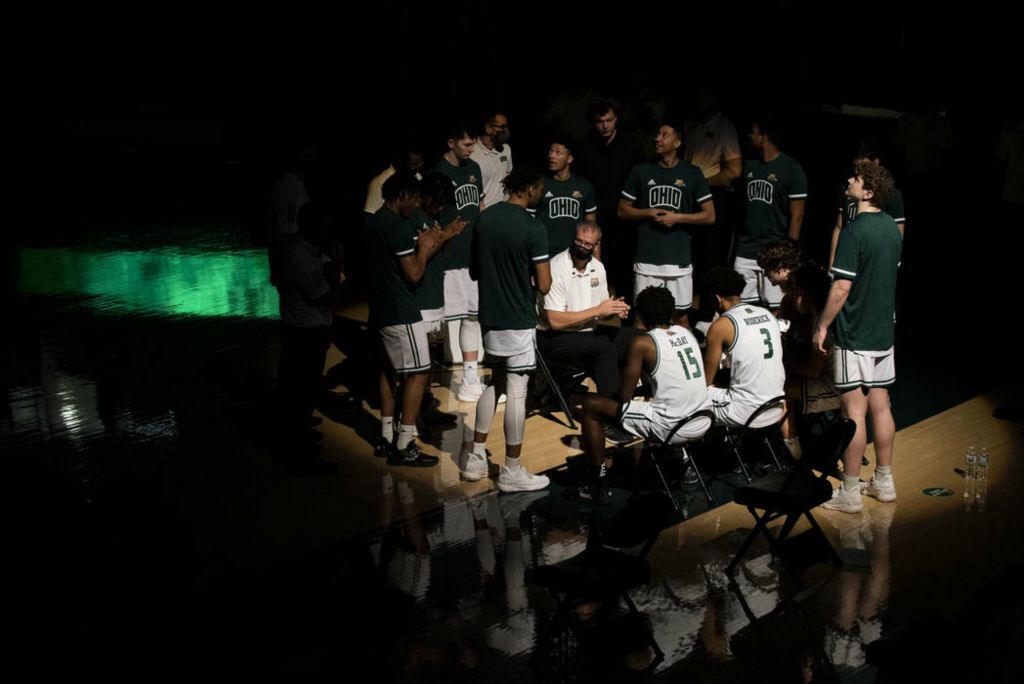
x: 793, y: 494
x: 574, y: 376
x: 700, y: 421
x: 759, y: 422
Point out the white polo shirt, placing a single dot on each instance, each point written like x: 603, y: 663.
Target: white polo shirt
x: 573, y: 290
x: 494, y: 166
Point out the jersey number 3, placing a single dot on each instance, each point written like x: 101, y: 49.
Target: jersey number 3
x: 768, y: 343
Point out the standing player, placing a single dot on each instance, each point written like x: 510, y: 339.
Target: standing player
x: 861, y: 303
x: 398, y: 264
x: 510, y: 249
x: 568, y: 199
x: 776, y: 194
x: 460, y: 291
x: 666, y: 197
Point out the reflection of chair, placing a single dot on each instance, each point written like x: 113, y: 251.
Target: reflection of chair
x: 560, y: 378
x: 793, y: 494
x: 696, y: 424
x: 764, y: 423
x: 602, y: 573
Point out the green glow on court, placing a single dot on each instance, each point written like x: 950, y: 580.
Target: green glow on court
x: 163, y: 282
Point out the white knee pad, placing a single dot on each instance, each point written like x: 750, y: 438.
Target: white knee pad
x: 515, y: 407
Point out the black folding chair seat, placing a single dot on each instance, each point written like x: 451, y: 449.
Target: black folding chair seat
x: 792, y: 495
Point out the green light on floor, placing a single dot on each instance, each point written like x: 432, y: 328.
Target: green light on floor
x: 166, y: 282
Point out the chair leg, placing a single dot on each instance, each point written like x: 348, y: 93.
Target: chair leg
x: 739, y: 458
x: 775, y: 459
x: 664, y: 482
x: 556, y: 389
x: 700, y: 478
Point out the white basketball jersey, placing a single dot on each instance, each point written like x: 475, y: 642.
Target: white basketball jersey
x: 755, y: 356
x: 680, y: 387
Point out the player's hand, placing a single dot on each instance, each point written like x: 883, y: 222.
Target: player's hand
x: 613, y: 307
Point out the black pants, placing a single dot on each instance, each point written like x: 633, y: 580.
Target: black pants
x: 299, y: 372
x: 595, y: 354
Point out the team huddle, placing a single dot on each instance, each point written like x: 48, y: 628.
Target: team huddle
x: 520, y: 261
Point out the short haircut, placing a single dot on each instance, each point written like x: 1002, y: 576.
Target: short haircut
x: 589, y: 225
x: 564, y: 139
x: 399, y: 184
x: 602, y: 106
x: 878, y: 180
x: 783, y: 254
x: 438, y: 188
x: 812, y: 279
x: 491, y: 114
x: 676, y: 125
x: 522, y: 178
x: 457, y: 130
x: 772, y: 128
x: 655, y: 306
x: 724, y: 281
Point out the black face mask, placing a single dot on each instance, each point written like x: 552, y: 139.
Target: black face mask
x: 580, y: 253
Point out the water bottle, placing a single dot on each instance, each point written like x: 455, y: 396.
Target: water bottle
x: 981, y: 479
x: 970, y: 474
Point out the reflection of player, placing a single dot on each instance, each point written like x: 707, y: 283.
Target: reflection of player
x: 405, y: 552
x: 861, y: 596
x: 517, y: 634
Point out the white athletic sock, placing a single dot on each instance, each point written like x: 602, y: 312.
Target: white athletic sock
x: 469, y: 374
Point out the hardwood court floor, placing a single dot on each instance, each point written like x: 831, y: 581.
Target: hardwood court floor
x: 150, y: 514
